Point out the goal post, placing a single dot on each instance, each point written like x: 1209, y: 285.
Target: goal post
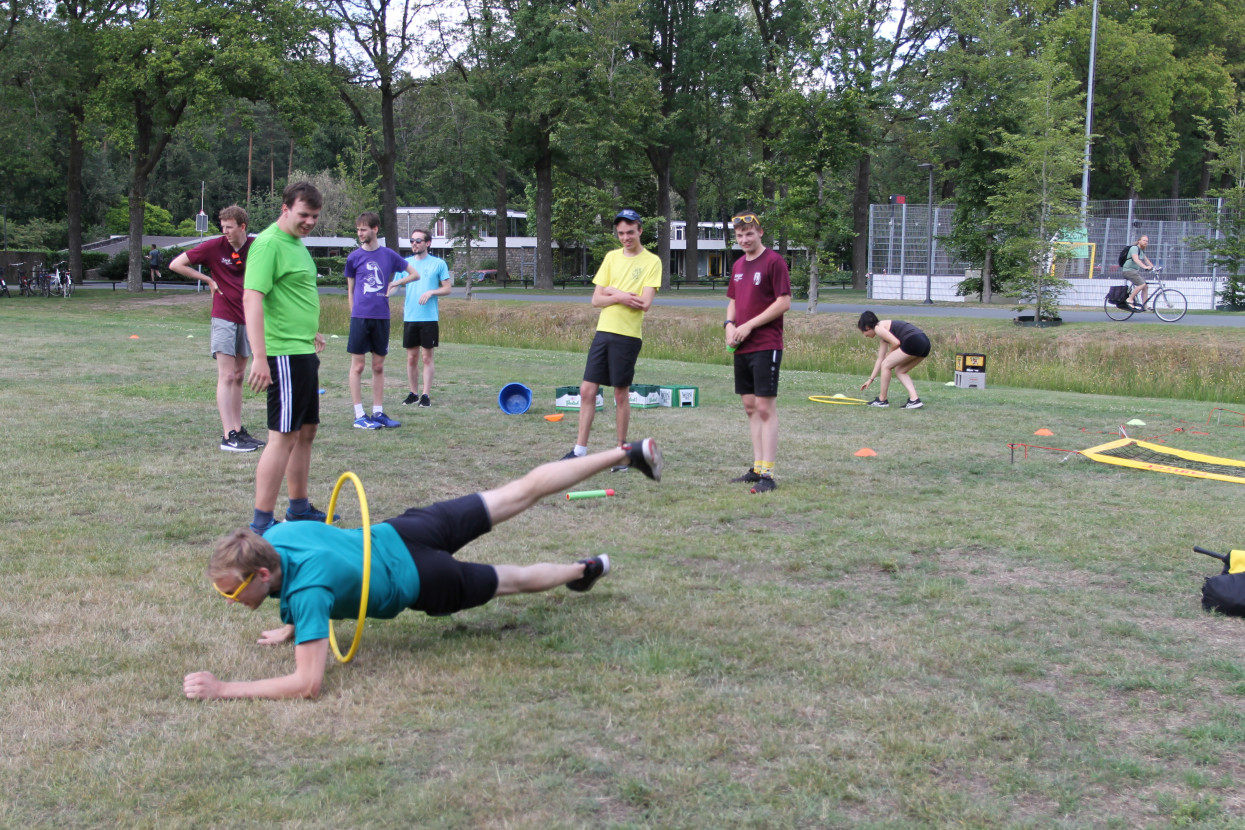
x: 1073, y: 260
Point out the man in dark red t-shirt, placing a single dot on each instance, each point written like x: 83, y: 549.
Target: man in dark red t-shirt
x: 225, y: 258
x: 758, y: 296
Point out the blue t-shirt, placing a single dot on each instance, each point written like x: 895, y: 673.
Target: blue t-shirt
x: 322, y: 575
x: 432, y: 272
x: 372, y: 271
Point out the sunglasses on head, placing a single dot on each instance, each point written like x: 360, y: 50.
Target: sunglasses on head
x: 745, y: 219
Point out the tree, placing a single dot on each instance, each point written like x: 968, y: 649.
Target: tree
x: 1038, y: 199
x: 1227, y: 247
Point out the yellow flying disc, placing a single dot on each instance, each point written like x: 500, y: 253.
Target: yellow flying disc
x: 367, y: 564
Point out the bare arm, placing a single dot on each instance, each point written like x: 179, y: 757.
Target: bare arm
x: 730, y: 325
x: 310, y: 659
x: 181, y: 264
x: 436, y: 292
x: 411, y: 276
x: 349, y: 295
x: 253, y: 311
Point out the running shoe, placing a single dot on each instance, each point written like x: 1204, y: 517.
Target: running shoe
x: 312, y: 515
x: 765, y: 485
x: 385, y: 421
x: 878, y: 402
x: 595, y: 567
x: 569, y: 456
x: 914, y: 403
x: 233, y: 442
x: 262, y: 530
x: 366, y: 422
x: 424, y: 402
x: 411, y: 398
x: 645, y: 457
x: 750, y: 477
x: 249, y: 438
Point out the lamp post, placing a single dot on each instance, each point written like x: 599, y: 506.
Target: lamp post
x: 5, y: 220
x: 929, y: 270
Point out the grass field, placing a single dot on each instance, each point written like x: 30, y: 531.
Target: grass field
x: 932, y: 637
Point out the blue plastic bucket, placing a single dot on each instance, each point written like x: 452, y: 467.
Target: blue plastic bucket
x: 514, y: 398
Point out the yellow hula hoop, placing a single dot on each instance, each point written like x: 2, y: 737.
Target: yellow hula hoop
x: 832, y: 399
x: 367, y: 564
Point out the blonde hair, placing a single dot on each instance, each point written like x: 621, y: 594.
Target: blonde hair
x: 240, y: 554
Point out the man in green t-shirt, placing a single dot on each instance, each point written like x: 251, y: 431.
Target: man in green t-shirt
x: 282, y: 308
x: 626, y: 284
x: 316, y: 570
x: 1136, y: 263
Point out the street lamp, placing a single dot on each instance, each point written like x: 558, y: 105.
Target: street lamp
x: 929, y: 271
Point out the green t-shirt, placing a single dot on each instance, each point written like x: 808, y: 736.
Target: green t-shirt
x: 631, y: 274
x: 1130, y: 264
x: 322, y: 575
x: 280, y: 267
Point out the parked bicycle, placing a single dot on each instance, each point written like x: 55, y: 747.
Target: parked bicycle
x: 60, y: 282
x: 25, y: 285
x: 1168, y: 304
x: 4, y: 286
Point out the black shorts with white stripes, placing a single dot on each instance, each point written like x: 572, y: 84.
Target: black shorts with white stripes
x: 294, y: 396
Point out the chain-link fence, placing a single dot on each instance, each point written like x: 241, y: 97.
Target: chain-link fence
x: 900, y: 241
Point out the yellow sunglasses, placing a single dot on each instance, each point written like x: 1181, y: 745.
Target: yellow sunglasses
x: 237, y: 590
x: 745, y: 219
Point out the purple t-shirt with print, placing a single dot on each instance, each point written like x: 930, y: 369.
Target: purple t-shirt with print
x: 371, y: 272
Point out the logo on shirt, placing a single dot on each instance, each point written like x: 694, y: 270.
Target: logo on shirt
x: 756, y: 278
x: 373, y: 279
x: 739, y: 277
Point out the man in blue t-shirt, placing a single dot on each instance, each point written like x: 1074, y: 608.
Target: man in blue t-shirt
x: 421, y: 327
x: 317, y: 570
x: 369, y: 271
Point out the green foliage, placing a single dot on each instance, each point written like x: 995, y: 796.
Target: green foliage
x: 156, y: 220
x: 187, y: 228
x: 1226, y: 247
x: 116, y: 267
x: 37, y: 233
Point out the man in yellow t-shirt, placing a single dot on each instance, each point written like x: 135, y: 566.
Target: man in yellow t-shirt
x: 626, y: 284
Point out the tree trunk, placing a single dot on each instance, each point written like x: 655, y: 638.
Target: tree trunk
x: 544, y: 207
x: 73, y: 194
x: 387, y: 164
x: 813, y: 276
x: 659, y: 159
x: 691, y: 233
x: 987, y: 291
x: 860, y: 221
x: 503, y: 223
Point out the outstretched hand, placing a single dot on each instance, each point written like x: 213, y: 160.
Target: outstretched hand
x: 201, y: 685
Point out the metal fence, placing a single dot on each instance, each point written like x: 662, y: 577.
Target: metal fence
x: 900, y: 237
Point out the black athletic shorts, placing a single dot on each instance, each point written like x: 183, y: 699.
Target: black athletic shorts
x: 294, y: 396
x: 916, y: 345
x: 433, y: 535
x: 756, y: 373
x: 423, y: 334
x: 368, y: 335
x: 611, y: 359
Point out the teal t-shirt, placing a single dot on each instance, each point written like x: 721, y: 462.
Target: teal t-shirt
x: 1129, y: 264
x: 432, y: 272
x: 280, y: 267
x: 322, y: 575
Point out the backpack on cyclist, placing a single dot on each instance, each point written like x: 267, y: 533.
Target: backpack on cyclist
x: 1124, y: 254
x: 1118, y: 294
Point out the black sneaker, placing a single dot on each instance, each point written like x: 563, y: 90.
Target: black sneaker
x: 914, y: 403
x: 249, y: 438
x: 750, y: 477
x: 233, y: 442
x: 424, y: 402
x: 411, y: 398
x: 595, y: 567
x: 645, y: 457
x: 312, y: 515
x: 569, y: 456
x: 765, y: 485
x: 878, y: 402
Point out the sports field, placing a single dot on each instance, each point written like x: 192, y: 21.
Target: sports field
x: 931, y: 637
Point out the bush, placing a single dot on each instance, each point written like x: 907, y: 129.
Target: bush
x: 93, y: 259
x: 116, y: 267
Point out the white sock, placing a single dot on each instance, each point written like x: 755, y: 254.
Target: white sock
x: 580, y: 449
x: 376, y: 410
x: 358, y: 411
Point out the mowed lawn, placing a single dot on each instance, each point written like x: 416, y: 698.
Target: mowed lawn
x: 932, y: 637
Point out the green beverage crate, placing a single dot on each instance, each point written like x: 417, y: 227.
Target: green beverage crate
x: 566, y: 398
x: 678, y: 397
x: 645, y: 396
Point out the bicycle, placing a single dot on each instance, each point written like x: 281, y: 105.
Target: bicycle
x: 61, y: 283
x: 40, y: 282
x: 4, y: 286
x: 1168, y: 304
x: 25, y: 285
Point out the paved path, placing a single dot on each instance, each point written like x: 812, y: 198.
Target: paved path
x: 1222, y: 319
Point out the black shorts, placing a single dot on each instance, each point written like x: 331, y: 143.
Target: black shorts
x: 756, y: 373
x: 423, y: 334
x: 368, y: 335
x: 294, y: 396
x: 611, y: 359
x: 916, y: 345
x: 433, y: 534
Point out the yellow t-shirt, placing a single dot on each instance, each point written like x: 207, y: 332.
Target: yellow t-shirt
x: 631, y: 274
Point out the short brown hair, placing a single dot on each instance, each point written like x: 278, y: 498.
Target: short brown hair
x: 240, y: 554
x: 233, y: 213
x: 424, y: 231
x: 369, y: 218
x: 747, y: 212
x: 305, y: 191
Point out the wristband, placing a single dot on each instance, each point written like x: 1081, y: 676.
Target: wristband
x: 728, y: 323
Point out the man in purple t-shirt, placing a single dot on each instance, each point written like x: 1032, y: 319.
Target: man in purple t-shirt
x: 369, y: 271
x: 758, y: 296
x: 225, y: 258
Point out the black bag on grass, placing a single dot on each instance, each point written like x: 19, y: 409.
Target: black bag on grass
x: 1117, y: 294
x: 1225, y: 593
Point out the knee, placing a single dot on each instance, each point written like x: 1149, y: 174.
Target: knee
x: 356, y: 368
x: 622, y: 396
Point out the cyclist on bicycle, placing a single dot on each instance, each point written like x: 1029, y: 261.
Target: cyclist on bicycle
x: 1136, y: 263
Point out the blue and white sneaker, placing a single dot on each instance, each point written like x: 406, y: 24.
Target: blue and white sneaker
x: 366, y: 422
x: 385, y: 421
x: 313, y: 514
x: 262, y: 530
